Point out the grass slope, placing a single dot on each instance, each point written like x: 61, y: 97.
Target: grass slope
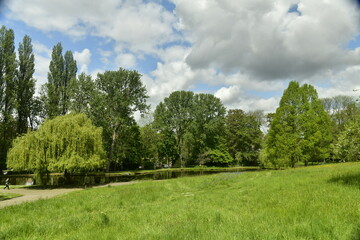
x: 307, y: 203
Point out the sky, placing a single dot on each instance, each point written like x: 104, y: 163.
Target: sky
x: 243, y: 51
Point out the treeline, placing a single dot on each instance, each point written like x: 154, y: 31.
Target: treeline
x: 186, y: 129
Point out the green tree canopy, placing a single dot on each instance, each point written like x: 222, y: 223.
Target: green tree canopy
x: 347, y: 147
x: 119, y: 94
x: 244, y: 136
x: 300, y: 129
x: 195, y: 121
x: 55, y: 93
x: 67, y: 143
x: 25, y: 85
x: 7, y: 92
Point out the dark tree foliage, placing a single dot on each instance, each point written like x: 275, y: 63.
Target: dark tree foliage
x: 62, y: 70
x: 195, y: 121
x: 25, y: 86
x: 7, y: 92
x: 81, y: 93
x: 244, y: 136
x: 119, y: 94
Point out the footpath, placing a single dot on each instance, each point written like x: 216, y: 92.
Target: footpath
x: 29, y: 195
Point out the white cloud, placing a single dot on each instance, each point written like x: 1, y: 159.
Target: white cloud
x: 238, y: 45
x: 95, y: 72
x: 42, y: 56
x: 263, y: 40
x: 83, y: 59
x: 228, y: 94
x: 105, y: 55
x: 126, y: 60
x: 132, y: 24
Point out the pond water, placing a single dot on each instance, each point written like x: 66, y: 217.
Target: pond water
x: 60, y: 180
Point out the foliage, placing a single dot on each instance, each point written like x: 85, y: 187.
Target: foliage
x: 7, y: 92
x: 150, y: 141
x: 25, y: 85
x: 347, y: 148
x: 66, y: 143
x: 174, y: 115
x: 81, y: 93
x: 216, y: 157
x: 62, y: 70
x: 244, y: 136
x: 341, y: 109
x: 207, y: 127
x: 300, y: 128
x: 119, y: 94
x: 195, y: 121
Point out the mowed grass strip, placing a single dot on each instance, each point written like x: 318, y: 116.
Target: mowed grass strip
x: 307, y: 203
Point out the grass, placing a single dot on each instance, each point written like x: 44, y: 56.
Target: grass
x: 6, y: 196
x: 321, y: 202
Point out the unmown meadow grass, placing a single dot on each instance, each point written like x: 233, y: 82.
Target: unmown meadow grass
x: 307, y: 203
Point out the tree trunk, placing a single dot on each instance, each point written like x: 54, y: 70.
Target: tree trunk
x: 111, y: 153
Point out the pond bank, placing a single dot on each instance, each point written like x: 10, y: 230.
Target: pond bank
x: 59, y: 179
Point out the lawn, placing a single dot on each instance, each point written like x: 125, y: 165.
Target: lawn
x: 5, y: 196
x: 321, y: 202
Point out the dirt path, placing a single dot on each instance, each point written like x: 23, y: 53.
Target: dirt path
x: 30, y: 195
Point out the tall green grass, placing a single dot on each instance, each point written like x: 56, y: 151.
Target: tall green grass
x: 307, y: 203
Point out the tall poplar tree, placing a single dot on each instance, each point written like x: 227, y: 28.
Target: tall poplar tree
x: 70, y: 70
x: 56, y: 90
x: 7, y: 92
x: 25, y: 85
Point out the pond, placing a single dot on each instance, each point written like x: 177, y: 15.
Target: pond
x: 96, y: 179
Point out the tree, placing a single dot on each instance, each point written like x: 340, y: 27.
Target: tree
x: 216, y: 157
x: 195, y: 121
x: 243, y: 136
x: 174, y: 114
x: 341, y: 110
x: 81, y: 94
x: 70, y: 70
x: 208, y: 125
x: 7, y: 92
x: 69, y: 143
x: 299, y: 130
x: 119, y: 94
x: 150, y: 146
x: 56, y: 90
x: 25, y: 85
x: 347, y: 148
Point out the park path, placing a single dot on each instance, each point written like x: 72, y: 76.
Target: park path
x: 29, y: 195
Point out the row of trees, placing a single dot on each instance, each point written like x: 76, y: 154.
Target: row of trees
x: 17, y: 88
x: 186, y: 129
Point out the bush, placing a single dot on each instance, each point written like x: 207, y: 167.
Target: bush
x: 217, y: 158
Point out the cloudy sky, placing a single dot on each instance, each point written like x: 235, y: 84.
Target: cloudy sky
x: 243, y: 51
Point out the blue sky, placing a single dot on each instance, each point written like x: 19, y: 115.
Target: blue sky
x: 245, y: 52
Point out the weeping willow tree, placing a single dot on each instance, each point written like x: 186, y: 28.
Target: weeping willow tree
x: 67, y: 143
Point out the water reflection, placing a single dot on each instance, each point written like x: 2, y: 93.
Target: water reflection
x: 61, y: 180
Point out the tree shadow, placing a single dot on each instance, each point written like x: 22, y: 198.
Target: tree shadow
x: 348, y: 179
x: 356, y: 235
x: 352, y: 180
